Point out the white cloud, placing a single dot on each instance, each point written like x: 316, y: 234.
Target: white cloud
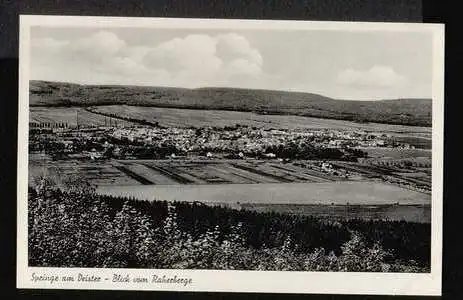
x: 200, y: 59
x: 376, y: 76
x: 192, y: 61
x: 193, y: 54
x: 233, y: 46
x: 96, y: 47
x: 242, y: 67
x: 338, y: 64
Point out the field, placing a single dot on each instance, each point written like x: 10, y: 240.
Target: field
x: 396, y: 153
x: 332, y: 193
x: 335, y: 200
x: 168, y: 172
x: 395, y: 111
x: 202, y: 118
x: 393, y: 171
x: 255, y: 185
x: 95, y: 172
x: 70, y: 115
x: 223, y: 171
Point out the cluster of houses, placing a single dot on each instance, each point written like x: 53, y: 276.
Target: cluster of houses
x: 238, y: 140
x: 247, y: 139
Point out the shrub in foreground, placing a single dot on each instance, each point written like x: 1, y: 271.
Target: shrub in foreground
x: 77, y: 228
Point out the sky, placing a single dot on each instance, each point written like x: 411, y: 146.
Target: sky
x: 339, y: 64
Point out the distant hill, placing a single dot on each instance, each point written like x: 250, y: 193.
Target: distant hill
x: 398, y: 111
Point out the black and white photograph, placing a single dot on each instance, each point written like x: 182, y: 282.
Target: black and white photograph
x: 229, y: 145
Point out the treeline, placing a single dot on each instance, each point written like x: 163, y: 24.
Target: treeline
x: 270, y: 229
x: 308, y: 150
x: 72, y: 226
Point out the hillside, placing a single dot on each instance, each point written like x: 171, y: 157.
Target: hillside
x: 398, y: 111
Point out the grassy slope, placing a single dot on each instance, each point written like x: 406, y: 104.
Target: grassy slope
x: 399, y: 111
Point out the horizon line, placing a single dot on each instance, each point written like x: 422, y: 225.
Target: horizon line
x: 231, y: 87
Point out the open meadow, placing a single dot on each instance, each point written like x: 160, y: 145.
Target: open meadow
x: 220, y: 118
x: 70, y: 116
x: 333, y: 193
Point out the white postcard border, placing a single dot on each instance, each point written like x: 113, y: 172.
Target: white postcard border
x: 236, y: 281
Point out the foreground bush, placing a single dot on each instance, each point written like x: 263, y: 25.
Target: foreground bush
x: 74, y: 227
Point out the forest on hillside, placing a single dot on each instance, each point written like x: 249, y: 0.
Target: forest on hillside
x: 416, y: 112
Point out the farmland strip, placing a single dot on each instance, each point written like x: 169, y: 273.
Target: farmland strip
x: 306, y: 175
x: 239, y: 173
x: 150, y: 174
x: 190, y: 174
x: 166, y: 172
x: 229, y: 176
x: 369, y: 168
x: 288, y: 175
x: 133, y: 175
x: 358, y: 169
x: 261, y: 173
x: 415, y: 180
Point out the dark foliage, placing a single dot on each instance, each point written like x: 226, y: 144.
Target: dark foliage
x: 69, y: 225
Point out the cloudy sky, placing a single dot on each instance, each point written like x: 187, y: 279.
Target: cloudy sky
x: 339, y: 64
